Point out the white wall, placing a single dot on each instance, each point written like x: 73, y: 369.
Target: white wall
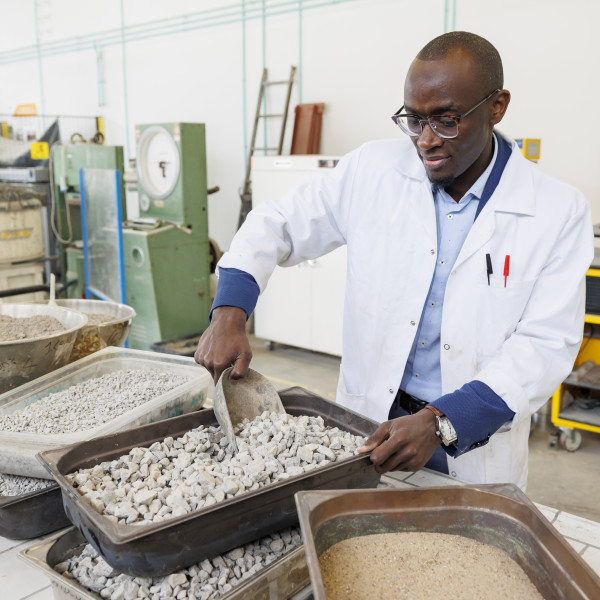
x: 354, y: 58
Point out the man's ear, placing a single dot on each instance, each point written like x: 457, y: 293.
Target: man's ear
x: 499, y: 106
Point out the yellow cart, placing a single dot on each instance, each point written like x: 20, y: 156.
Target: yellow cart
x: 574, y: 406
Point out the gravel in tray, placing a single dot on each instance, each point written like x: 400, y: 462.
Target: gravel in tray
x: 176, y: 476
x: 206, y: 580
x: 15, y: 485
x: 92, y: 402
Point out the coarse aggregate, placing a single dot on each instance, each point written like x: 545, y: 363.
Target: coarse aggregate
x: 92, y: 402
x: 176, y: 476
x: 205, y: 580
x: 16, y: 485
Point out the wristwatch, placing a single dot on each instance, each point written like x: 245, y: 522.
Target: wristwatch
x: 443, y: 427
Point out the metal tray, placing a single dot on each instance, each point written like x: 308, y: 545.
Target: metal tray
x: 283, y: 578
x: 161, y: 548
x: 32, y: 515
x: 499, y: 515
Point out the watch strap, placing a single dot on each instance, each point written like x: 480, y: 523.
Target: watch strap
x: 436, y: 411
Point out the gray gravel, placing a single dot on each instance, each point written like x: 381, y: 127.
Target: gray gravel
x: 92, y: 402
x: 206, y: 580
x: 176, y: 476
x: 15, y: 485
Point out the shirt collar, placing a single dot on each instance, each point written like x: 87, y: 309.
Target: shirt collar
x: 476, y: 190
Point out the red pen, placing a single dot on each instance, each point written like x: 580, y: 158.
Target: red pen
x: 506, y: 267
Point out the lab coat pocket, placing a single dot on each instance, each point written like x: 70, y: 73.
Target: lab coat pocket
x: 501, y: 307
x: 355, y: 402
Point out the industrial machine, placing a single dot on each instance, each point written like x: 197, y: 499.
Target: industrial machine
x: 65, y: 161
x: 166, y: 250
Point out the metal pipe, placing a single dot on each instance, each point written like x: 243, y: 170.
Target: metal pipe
x: 173, y: 25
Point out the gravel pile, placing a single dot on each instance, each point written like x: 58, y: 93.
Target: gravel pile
x: 15, y: 485
x: 204, y: 581
x: 25, y: 328
x: 91, y: 402
x: 177, y: 476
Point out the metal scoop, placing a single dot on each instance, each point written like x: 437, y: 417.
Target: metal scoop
x: 239, y: 399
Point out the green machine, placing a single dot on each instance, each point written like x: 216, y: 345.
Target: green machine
x: 166, y: 250
x: 65, y: 162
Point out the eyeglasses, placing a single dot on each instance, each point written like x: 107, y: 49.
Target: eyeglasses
x: 444, y: 126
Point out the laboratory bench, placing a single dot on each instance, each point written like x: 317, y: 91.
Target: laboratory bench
x: 19, y: 580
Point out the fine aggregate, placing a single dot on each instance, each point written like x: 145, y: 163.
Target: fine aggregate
x: 92, y: 402
x: 15, y: 485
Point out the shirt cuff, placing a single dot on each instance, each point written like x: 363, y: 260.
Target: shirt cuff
x: 236, y: 288
x: 476, y: 413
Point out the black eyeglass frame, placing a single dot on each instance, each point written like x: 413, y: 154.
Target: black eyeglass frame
x: 456, y: 118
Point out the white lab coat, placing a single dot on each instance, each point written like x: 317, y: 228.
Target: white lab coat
x: 521, y: 340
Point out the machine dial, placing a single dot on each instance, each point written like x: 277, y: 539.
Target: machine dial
x: 158, y: 162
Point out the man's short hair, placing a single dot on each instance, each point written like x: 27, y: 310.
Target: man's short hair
x: 485, y: 55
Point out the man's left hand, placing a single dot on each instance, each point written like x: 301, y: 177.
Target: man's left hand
x: 403, y: 444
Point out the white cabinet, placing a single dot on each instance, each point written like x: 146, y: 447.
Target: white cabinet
x: 302, y: 305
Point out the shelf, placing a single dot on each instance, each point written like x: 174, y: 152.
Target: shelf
x: 588, y: 416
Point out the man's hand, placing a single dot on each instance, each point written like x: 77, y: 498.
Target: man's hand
x: 225, y: 344
x: 403, y: 444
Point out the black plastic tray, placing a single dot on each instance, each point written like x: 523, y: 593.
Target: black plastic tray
x: 32, y: 515
x: 161, y: 548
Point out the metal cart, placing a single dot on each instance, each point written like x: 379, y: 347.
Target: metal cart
x: 576, y: 403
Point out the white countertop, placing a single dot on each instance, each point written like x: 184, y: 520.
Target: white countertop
x: 20, y: 581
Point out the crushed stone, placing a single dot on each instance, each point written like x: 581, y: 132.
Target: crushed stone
x: 177, y: 476
x: 205, y: 580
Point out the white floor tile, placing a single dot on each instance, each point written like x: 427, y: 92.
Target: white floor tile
x: 17, y: 578
x: 6, y: 544
x: 577, y: 528
x: 45, y: 594
x: 592, y: 557
x: 430, y: 478
x: 549, y: 513
x: 577, y: 546
x: 396, y: 484
x: 400, y: 475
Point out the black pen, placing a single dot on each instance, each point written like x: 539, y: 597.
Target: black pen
x: 488, y: 260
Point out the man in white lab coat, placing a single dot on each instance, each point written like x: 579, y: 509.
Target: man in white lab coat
x: 466, y: 274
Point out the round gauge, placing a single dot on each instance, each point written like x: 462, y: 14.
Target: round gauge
x: 158, y: 163
x: 144, y: 203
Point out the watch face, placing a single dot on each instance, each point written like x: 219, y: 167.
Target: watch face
x: 158, y: 162
x: 447, y: 432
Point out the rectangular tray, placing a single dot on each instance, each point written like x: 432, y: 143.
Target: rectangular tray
x: 283, y: 578
x: 18, y: 450
x: 160, y: 548
x: 32, y: 515
x: 497, y: 514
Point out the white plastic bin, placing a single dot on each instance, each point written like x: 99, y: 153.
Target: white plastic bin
x: 18, y: 450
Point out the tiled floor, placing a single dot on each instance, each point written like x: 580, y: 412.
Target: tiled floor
x: 565, y: 486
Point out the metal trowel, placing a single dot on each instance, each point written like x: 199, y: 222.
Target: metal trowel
x: 246, y: 398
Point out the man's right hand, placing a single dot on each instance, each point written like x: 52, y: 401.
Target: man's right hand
x: 225, y: 343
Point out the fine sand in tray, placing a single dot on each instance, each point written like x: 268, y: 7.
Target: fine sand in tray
x: 421, y: 566
x: 24, y: 328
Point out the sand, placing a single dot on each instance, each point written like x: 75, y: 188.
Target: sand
x: 421, y: 566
